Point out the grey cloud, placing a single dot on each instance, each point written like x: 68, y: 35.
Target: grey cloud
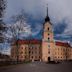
x: 58, y: 10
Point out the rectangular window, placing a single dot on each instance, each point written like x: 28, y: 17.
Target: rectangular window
x: 58, y: 56
x: 25, y: 56
x: 21, y: 52
x: 29, y: 52
x: 32, y: 57
x: 21, y: 47
x: 39, y: 57
x: 32, y: 52
x: 48, y: 52
x: 48, y: 34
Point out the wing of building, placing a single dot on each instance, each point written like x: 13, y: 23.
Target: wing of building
x: 28, y: 50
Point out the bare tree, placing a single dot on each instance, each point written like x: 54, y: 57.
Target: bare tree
x: 16, y: 29
x: 2, y: 24
x: 19, y: 28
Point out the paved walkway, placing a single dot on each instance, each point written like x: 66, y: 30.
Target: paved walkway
x: 38, y: 67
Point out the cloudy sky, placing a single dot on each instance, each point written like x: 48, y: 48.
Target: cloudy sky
x: 60, y: 13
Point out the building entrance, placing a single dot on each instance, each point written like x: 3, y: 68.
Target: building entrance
x: 49, y: 59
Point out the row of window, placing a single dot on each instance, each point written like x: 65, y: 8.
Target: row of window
x: 30, y: 57
x: 30, y: 52
x: 63, y: 53
x: 23, y: 52
x: 59, y: 57
x: 35, y: 57
x: 30, y: 48
x: 63, y: 49
x: 60, y: 53
x: 34, y: 48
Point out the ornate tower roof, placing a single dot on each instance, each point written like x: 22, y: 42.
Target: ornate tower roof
x: 47, y: 19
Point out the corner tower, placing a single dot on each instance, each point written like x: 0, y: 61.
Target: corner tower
x: 47, y: 40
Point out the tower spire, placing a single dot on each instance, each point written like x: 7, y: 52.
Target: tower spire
x: 47, y: 17
x: 47, y: 10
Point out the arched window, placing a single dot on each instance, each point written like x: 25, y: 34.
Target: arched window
x: 48, y: 28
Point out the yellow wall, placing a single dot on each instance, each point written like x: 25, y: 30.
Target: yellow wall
x: 47, y: 45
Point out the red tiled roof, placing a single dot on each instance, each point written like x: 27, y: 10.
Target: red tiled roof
x: 29, y: 41
x: 62, y: 44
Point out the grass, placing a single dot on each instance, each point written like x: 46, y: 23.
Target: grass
x: 9, y: 63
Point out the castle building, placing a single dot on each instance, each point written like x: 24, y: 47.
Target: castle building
x: 44, y: 50
x: 28, y: 50
x: 63, y: 51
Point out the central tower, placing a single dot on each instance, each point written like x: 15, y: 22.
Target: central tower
x: 47, y: 40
